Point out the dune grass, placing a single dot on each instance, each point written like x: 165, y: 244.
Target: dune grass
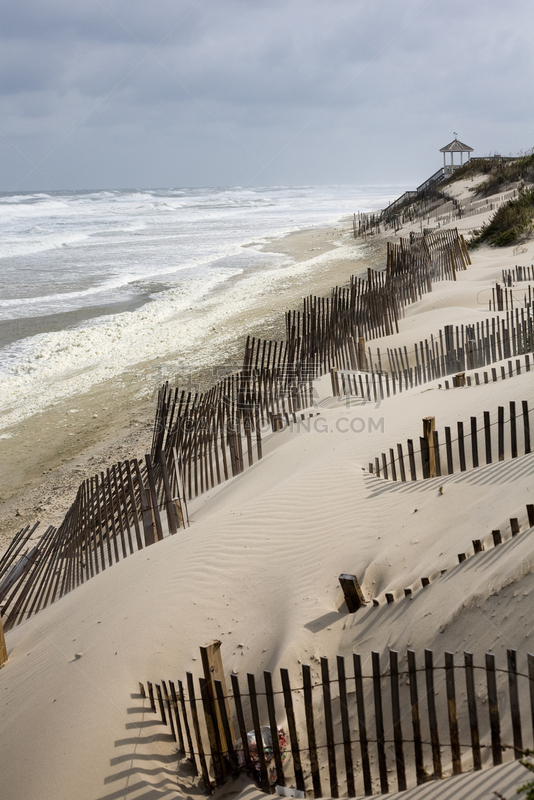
x: 511, y: 223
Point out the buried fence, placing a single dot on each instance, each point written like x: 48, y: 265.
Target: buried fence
x: 454, y: 349
x: 354, y: 730
x: 499, y: 441
x: 130, y: 506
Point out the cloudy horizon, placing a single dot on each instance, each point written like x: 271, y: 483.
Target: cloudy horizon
x: 112, y: 94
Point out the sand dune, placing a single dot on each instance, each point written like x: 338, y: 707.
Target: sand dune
x: 258, y: 569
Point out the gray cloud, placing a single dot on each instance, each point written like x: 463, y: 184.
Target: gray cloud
x: 117, y: 93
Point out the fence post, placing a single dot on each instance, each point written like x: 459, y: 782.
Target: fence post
x: 3, y: 648
x: 379, y: 718
x: 330, y: 742
x: 429, y: 426
x: 293, y: 737
x: 396, y: 714
x: 472, y: 708
x: 213, y: 671
x: 345, y: 725
x: 514, y: 703
x: 432, y: 716
x: 453, y: 714
x: 257, y: 732
x: 495, y: 723
x: 310, y: 727
x: 416, y: 719
x: 362, y: 725
x: 353, y: 594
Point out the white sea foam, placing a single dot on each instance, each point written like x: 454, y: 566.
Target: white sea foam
x: 181, y: 247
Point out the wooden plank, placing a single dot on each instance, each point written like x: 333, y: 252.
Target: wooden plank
x: 411, y: 458
x: 474, y: 442
x: 461, y: 445
x: 241, y: 721
x: 178, y: 723
x: 310, y: 728
x: 352, y: 592
x: 416, y: 719
x: 170, y: 508
x: 429, y: 426
x: 228, y: 734
x: 345, y: 726
x: 500, y: 436
x: 530, y: 661
x: 513, y: 430
x: 448, y: 449
x: 514, y: 703
x: 526, y: 427
x: 487, y: 436
x: 268, y: 681
x: 401, y: 463
x: 293, y: 738
x: 187, y: 728
x: 330, y: 742
x: 493, y: 707
x: 208, y: 714
x: 3, y: 648
x: 379, y: 722
x: 150, y: 690
x: 160, y: 704
x: 432, y: 716
x: 437, y: 456
x: 153, y: 497
x: 213, y: 670
x: 472, y: 710
x: 169, y: 709
x: 362, y: 726
x: 264, y: 775
x: 396, y: 716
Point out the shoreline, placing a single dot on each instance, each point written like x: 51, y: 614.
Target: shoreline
x: 45, y: 457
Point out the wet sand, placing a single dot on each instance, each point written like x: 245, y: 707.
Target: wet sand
x: 44, y: 458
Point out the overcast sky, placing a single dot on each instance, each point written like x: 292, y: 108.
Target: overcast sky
x: 161, y: 93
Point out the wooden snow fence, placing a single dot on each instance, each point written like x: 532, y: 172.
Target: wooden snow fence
x: 482, y: 545
x: 354, y: 727
x: 219, y: 432
x: 481, y: 441
x: 453, y: 349
x: 115, y: 513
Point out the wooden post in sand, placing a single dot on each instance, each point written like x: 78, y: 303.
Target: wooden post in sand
x: 3, y: 648
x: 361, y: 353
x: 453, y: 264
x: 353, y: 594
x: 429, y: 424
x: 213, y: 671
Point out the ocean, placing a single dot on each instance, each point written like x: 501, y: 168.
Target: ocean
x: 93, y: 282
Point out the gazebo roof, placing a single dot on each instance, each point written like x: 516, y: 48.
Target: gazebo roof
x: 456, y: 147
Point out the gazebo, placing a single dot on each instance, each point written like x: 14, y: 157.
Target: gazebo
x: 455, y: 147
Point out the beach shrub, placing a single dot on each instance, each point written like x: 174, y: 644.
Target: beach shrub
x: 521, y: 169
x: 527, y: 790
x: 510, y: 223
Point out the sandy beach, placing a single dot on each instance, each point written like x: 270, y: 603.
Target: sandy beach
x: 44, y: 457
x: 258, y: 568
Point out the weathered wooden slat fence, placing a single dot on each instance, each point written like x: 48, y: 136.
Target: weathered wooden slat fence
x: 219, y: 431
x: 484, y: 440
x: 517, y: 274
x: 481, y: 545
x: 116, y: 513
x: 358, y: 728
x: 454, y: 349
